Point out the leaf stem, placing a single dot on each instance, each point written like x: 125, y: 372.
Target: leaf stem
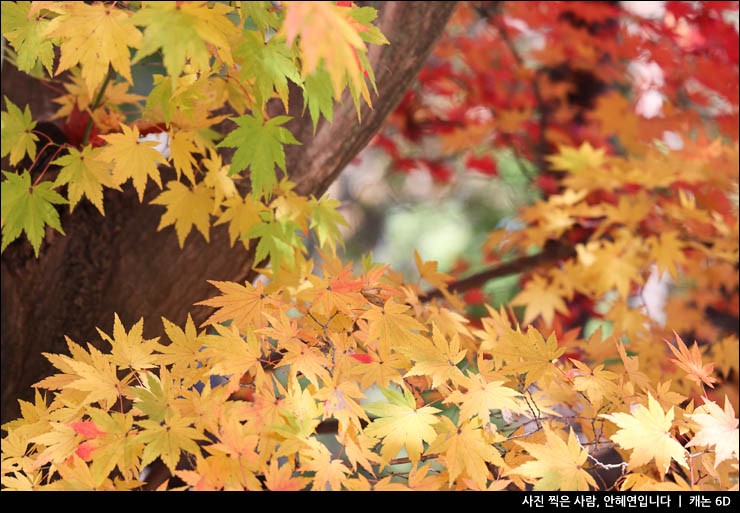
x: 46, y: 168
x: 95, y: 104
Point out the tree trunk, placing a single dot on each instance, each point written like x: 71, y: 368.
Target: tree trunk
x: 121, y: 264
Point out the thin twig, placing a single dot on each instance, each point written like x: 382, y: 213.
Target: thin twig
x: 609, y: 466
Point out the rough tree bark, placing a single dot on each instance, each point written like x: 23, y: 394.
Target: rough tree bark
x: 120, y: 263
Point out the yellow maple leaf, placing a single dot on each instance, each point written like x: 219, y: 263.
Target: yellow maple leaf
x: 329, y: 473
x: 725, y: 354
x: 217, y: 178
x: 632, y: 367
x: 638, y: 482
x: 132, y: 159
x: 281, y: 479
x: 25, y: 31
x: 96, y: 36
x: 342, y: 401
x: 482, y: 396
x: 616, y: 115
x: 207, y: 476
x: 241, y: 214
x: 232, y: 355
x: 717, y: 428
x: 186, y: 207
x: 238, y: 441
x: 392, y: 326
x: 539, y: 298
x: 60, y: 442
x: 339, y: 291
x: 185, y: 345
x: 597, y: 384
x: 428, y: 271
x: 115, y: 447
x: 465, y: 451
x: 400, y: 424
x: 76, y: 475
x: 94, y: 375
x: 242, y: 304
x: 300, y: 412
x: 647, y: 432
x: 183, y: 145
x: 616, y: 267
x: 558, y: 465
x: 528, y: 353
x: 308, y: 361
x: 690, y: 361
x: 421, y: 478
x: 78, y: 95
x: 667, y: 249
x: 357, y: 447
x: 382, y: 370
x: 577, y: 160
x: 130, y: 350
x: 437, y: 359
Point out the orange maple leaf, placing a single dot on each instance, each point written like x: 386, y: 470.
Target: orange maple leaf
x: 241, y: 304
x: 690, y: 361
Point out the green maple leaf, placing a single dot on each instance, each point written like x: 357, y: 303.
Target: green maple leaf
x: 85, y: 176
x: 262, y: 14
x: 318, y: 95
x: 278, y: 239
x: 155, y: 398
x: 325, y: 221
x: 184, y: 31
x: 29, y: 209
x: 260, y: 148
x: 26, y: 35
x: 268, y: 65
x: 401, y: 424
x: 371, y: 33
x: 16, y: 132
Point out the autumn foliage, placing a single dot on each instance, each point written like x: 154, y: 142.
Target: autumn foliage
x: 326, y: 374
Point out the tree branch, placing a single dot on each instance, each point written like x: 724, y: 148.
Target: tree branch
x: 553, y: 252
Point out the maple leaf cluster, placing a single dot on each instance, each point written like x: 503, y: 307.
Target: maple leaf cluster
x: 404, y: 384
x: 325, y: 376
x: 206, y: 65
x: 524, y: 78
